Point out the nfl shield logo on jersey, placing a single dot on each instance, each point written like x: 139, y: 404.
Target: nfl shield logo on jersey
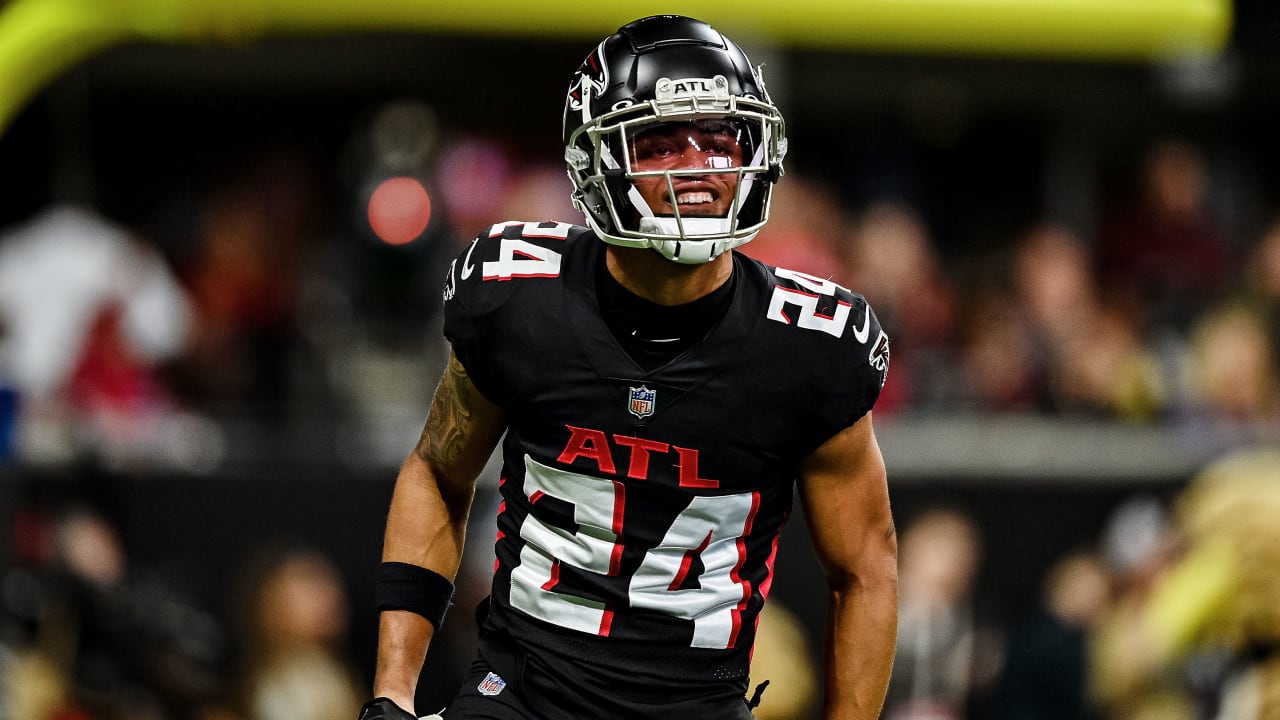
x: 641, y: 400
x: 491, y: 685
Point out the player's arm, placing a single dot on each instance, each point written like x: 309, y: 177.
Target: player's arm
x: 844, y: 489
x: 428, y: 517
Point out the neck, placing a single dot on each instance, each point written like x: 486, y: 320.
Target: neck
x: 661, y: 281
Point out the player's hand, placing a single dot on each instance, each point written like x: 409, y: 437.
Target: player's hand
x: 383, y: 709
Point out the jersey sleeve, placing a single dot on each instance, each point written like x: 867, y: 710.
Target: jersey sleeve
x: 852, y: 373
x: 479, y: 288
x: 831, y: 340
x: 868, y: 358
x: 470, y: 306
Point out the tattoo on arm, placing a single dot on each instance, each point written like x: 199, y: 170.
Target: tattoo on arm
x: 444, y: 437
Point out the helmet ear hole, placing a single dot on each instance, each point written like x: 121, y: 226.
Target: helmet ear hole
x: 665, y: 69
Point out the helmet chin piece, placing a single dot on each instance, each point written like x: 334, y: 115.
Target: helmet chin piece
x: 687, y: 250
x: 695, y: 252
x: 684, y: 244
x: 685, y: 228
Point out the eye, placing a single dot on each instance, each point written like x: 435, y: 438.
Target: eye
x: 655, y: 147
x: 726, y: 145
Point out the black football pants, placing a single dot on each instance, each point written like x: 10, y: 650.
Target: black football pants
x: 485, y: 696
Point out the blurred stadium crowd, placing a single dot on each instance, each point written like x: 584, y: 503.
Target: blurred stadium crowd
x: 249, y: 327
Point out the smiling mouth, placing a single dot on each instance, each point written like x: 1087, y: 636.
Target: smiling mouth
x: 695, y: 202
x: 700, y: 197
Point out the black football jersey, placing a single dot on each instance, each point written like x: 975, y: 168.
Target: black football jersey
x: 640, y: 510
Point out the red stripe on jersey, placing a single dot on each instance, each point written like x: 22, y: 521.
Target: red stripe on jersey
x: 736, y: 615
x: 687, y: 562
x: 619, y: 508
x: 502, y: 507
x: 767, y: 583
x: 736, y: 573
x: 555, y: 577
x: 496, y: 229
x: 606, y: 623
x: 801, y: 293
x: 535, y: 497
x: 505, y: 278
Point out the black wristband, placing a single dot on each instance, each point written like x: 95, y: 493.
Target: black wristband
x: 402, y: 586
x: 383, y: 709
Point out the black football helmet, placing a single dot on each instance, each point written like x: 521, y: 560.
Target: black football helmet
x: 658, y: 70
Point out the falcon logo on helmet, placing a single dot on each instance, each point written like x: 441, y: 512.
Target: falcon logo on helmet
x: 589, y: 82
x: 712, y: 184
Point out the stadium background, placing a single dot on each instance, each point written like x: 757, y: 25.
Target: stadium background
x: 982, y: 142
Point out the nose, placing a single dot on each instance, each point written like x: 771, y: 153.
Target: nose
x: 692, y: 156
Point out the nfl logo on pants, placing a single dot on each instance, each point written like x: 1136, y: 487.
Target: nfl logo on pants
x: 641, y: 400
x: 491, y: 685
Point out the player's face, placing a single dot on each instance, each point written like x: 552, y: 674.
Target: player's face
x: 704, y: 144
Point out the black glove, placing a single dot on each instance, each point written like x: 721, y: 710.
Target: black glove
x: 383, y: 709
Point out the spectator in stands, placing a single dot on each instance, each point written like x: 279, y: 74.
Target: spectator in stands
x: 1223, y: 596
x: 1126, y: 676
x: 1164, y: 255
x: 293, y: 611
x: 110, y: 640
x: 254, y: 231
x: 1232, y: 366
x: 1001, y: 369
x: 1227, y: 362
x: 946, y: 653
x: 1106, y: 371
x: 1077, y: 355
x: 91, y: 315
x: 1260, y: 282
x: 1046, y: 674
x: 1214, y: 608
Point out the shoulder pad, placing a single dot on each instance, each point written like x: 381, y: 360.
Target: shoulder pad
x: 510, y: 250
x: 810, y: 303
x: 502, y: 263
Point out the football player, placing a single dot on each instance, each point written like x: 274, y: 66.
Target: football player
x: 659, y: 398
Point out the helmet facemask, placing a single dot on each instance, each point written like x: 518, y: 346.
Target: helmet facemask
x: 613, y: 170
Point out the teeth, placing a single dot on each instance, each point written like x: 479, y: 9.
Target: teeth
x: 694, y: 198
